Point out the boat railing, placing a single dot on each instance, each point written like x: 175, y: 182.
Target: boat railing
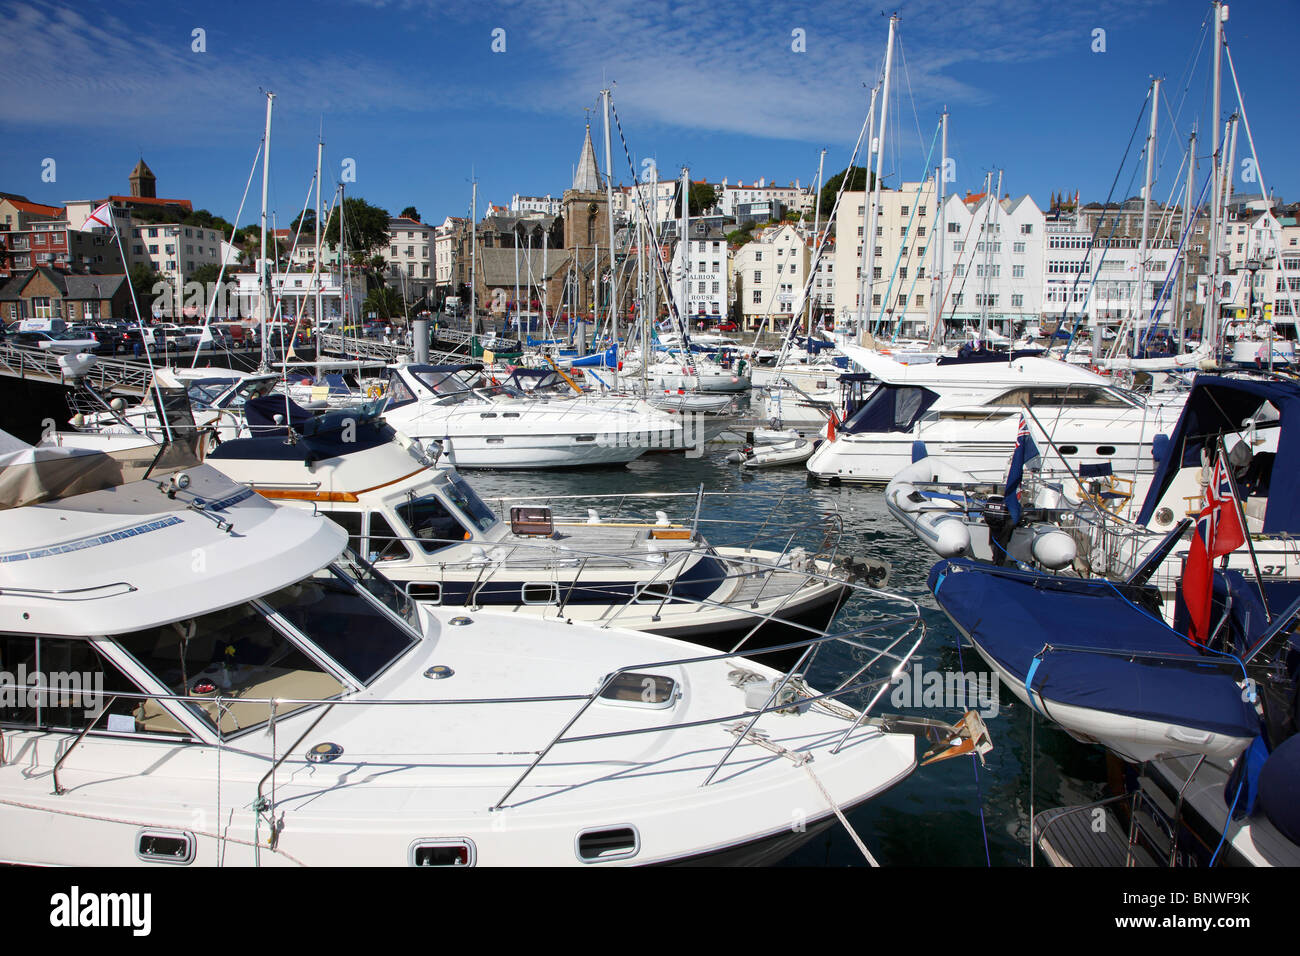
x: 891, y: 640
x: 1136, y: 802
x: 813, y: 565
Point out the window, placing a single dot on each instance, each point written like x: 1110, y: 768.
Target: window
x: 1027, y: 229
x: 758, y: 277
x: 903, y: 211
x: 383, y: 542
x: 758, y: 297
x: 77, y: 683
x: 235, y: 652
x: 1017, y: 272
x: 758, y: 255
x: 954, y: 228
x: 1017, y: 301
x: 1018, y: 247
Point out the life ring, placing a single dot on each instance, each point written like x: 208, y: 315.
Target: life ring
x: 375, y: 391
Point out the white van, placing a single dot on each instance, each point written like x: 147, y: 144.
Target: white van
x: 48, y: 326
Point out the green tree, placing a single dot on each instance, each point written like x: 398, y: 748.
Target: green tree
x: 366, y: 225
x: 703, y: 197
x: 410, y: 212
x: 860, y: 180
x: 147, y: 285
x: 384, y: 301
x: 205, y: 273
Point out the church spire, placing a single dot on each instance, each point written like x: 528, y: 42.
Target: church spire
x: 587, y: 177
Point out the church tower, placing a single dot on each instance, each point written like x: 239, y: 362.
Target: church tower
x: 586, y: 223
x: 144, y: 184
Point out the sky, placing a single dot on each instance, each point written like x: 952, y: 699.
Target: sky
x: 416, y: 98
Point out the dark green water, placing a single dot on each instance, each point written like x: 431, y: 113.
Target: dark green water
x: 932, y: 817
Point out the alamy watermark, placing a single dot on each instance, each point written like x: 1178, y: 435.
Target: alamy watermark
x: 657, y: 435
x: 960, y: 690
x: 52, y: 689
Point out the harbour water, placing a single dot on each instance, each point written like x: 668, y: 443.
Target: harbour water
x: 939, y: 815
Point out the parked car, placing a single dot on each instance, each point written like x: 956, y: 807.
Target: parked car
x: 728, y: 327
x: 62, y: 342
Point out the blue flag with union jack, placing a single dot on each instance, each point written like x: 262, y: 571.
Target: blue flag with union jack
x: 1026, y: 451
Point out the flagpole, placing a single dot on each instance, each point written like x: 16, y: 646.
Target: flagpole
x: 1245, y: 530
x: 167, y: 429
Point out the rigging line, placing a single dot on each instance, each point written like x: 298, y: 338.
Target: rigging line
x: 1137, y: 123
x: 221, y: 274
x: 1188, y: 72
x: 911, y: 95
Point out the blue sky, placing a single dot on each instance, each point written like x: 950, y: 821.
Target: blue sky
x: 413, y: 93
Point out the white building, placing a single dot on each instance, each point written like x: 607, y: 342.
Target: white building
x: 410, y: 263
x: 546, y: 205
x: 794, y: 196
x: 992, y: 262
x: 297, y: 293
x: 1101, y: 280
x: 446, y: 241
x: 707, y: 292
x: 899, y: 287
x: 770, y: 272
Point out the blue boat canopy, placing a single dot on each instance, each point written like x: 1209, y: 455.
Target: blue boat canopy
x: 1218, y: 406
x: 1083, y: 643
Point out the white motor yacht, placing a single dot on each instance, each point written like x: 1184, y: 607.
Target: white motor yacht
x: 210, y: 678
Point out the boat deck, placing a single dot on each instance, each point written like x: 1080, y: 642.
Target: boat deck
x: 1077, y: 836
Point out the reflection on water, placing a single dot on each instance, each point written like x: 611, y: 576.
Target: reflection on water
x: 932, y: 817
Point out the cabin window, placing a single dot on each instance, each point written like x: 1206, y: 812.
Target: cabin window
x: 1069, y: 396
x: 630, y: 687
x: 328, y: 611
x: 471, y: 506
x: 350, y: 521
x: 1069, y: 449
x: 398, y: 391
x: 432, y: 525
x: 540, y: 593
x: 74, y: 684
x: 1106, y: 450
x: 385, y: 544
x: 232, y: 653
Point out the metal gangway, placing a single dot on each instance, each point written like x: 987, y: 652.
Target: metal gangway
x: 383, y: 354
x: 107, y: 374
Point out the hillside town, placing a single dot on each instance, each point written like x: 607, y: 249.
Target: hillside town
x: 1013, y: 262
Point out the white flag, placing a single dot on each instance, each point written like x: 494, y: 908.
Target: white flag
x: 103, y: 216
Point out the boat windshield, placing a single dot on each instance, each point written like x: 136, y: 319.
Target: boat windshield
x: 229, y: 654
x: 1066, y: 396
x: 250, y: 388
x: 227, y: 663
x: 363, y: 574
x: 460, y: 494
x: 330, y: 611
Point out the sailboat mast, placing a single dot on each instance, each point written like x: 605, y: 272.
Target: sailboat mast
x: 866, y: 256
x: 988, y: 246
x: 869, y: 240
x: 817, y: 228
x: 1138, y: 319
x: 1210, y: 321
x: 683, y: 243
x: 265, y: 303
x: 320, y: 145
x: 1188, y: 214
x: 936, y: 272
x: 473, y: 280
x: 609, y: 210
